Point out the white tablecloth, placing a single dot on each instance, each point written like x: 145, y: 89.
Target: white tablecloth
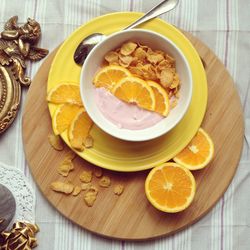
x: 224, y: 25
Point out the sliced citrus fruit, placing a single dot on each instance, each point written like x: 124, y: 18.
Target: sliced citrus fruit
x: 198, y: 153
x: 135, y: 90
x: 80, y: 127
x: 108, y: 76
x: 65, y: 93
x: 63, y: 116
x: 161, y: 98
x: 170, y: 187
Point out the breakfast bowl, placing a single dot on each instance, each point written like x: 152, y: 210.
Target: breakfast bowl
x: 93, y: 64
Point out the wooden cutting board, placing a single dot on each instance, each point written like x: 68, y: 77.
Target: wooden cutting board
x: 130, y: 216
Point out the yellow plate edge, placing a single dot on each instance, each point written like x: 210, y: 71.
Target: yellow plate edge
x: 192, y: 53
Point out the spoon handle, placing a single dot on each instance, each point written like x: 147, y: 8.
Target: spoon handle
x: 159, y: 9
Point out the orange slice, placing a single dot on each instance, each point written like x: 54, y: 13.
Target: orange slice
x: 198, y: 153
x: 80, y: 127
x: 63, y: 117
x: 170, y: 187
x: 161, y: 98
x: 65, y: 93
x: 108, y: 76
x: 135, y: 90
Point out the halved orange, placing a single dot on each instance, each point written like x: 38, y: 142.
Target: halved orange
x: 65, y: 93
x: 198, y: 153
x: 170, y: 187
x: 135, y: 90
x: 108, y: 76
x: 80, y: 126
x: 161, y: 98
x: 63, y: 117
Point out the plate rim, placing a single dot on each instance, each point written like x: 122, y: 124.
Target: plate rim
x: 114, y: 167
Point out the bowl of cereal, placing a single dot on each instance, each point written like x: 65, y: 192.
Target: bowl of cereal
x: 136, y: 85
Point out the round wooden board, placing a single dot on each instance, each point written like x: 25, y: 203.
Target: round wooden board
x: 130, y: 216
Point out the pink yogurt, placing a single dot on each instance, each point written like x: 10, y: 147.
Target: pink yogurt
x: 124, y: 115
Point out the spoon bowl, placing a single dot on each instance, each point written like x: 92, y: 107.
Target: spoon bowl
x: 86, y: 46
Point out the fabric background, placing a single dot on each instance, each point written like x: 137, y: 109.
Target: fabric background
x: 224, y: 25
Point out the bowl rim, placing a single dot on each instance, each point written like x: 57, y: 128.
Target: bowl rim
x: 148, y: 136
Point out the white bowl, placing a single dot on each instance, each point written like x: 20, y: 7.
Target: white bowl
x: 155, y: 41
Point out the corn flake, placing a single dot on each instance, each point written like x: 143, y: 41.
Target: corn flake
x: 128, y: 48
x: 140, y: 54
x: 77, y: 144
x: 65, y: 167
x: 76, y: 191
x: 62, y: 187
x: 166, y: 78
x: 105, y: 182
x: 86, y: 176
x: 85, y: 186
x: 90, y: 198
x: 70, y: 155
x: 88, y: 142
x: 125, y: 61
x: 118, y: 189
x: 55, y: 141
x: 155, y: 58
x: 93, y: 189
x: 112, y: 57
x: 98, y: 172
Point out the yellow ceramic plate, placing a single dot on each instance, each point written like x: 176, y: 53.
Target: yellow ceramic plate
x: 109, y: 152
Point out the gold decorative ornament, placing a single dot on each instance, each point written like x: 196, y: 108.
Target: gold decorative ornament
x: 2, y: 220
x: 21, y: 237
x: 17, y: 45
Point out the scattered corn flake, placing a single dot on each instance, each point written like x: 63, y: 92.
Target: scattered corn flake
x: 88, y: 142
x: 55, y: 141
x: 77, y: 143
x: 93, y: 189
x: 76, y: 191
x: 98, y: 172
x: 65, y: 167
x: 118, y: 189
x: 112, y: 57
x: 86, y: 176
x: 90, y: 198
x: 70, y: 155
x: 85, y: 186
x: 128, y: 48
x: 62, y: 187
x: 104, y: 181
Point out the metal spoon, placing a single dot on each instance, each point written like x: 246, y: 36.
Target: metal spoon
x: 90, y: 41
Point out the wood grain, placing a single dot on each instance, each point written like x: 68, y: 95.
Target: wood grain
x: 130, y: 216
x: 7, y: 207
